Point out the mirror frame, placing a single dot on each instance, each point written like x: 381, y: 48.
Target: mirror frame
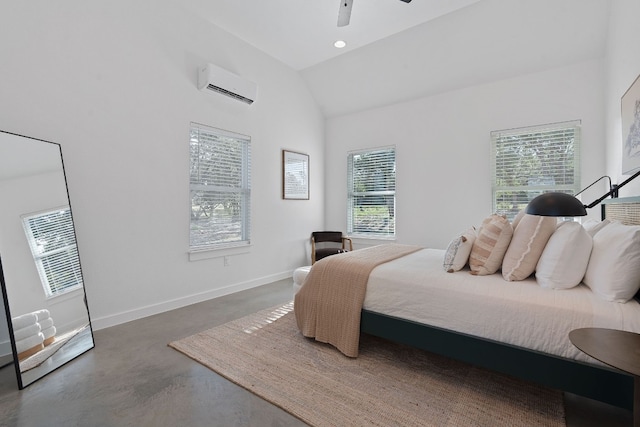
x: 5, y: 293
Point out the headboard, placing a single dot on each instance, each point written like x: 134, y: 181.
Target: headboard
x: 623, y: 209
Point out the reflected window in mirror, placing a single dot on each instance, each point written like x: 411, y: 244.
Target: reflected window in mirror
x: 53, y: 245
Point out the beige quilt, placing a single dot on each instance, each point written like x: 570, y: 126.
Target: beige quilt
x: 328, y: 305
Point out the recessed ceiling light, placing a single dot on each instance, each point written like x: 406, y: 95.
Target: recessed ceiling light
x: 340, y: 44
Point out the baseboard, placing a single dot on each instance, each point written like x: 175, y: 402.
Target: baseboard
x: 6, y: 360
x: 98, y: 323
x: 6, y: 353
x: 5, y: 348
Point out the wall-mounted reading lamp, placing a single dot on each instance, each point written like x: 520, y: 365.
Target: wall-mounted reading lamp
x: 563, y: 204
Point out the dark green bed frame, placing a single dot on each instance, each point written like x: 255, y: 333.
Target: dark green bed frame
x: 592, y: 381
x: 584, y: 379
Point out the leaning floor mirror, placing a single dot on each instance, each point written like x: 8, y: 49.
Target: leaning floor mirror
x: 47, y: 318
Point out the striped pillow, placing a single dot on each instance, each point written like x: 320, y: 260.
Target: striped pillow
x: 490, y: 246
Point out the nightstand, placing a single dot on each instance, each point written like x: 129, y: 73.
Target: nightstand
x: 619, y: 349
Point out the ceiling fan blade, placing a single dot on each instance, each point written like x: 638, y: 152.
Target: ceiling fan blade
x: 344, y: 13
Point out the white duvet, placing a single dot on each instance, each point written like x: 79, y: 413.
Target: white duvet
x: 417, y: 288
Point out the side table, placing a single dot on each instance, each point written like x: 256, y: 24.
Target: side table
x: 619, y: 349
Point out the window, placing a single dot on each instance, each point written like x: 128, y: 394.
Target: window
x: 371, y: 192
x: 530, y: 161
x: 53, y: 245
x: 220, y: 188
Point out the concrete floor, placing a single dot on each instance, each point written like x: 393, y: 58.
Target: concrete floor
x: 132, y: 378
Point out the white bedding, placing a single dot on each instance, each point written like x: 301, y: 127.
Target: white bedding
x: 417, y: 288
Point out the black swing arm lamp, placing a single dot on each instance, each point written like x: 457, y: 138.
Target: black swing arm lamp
x: 563, y: 204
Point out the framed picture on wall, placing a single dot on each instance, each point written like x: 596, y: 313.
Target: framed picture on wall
x: 630, y: 105
x: 295, y: 175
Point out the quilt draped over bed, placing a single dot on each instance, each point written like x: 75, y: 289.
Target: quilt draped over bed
x: 328, y: 305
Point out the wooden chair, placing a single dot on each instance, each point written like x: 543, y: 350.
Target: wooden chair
x: 326, y: 243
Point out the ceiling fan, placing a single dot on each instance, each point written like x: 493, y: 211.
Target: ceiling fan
x: 344, y: 14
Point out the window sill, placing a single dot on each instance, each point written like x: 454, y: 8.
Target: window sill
x: 362, y: 241
x: 198, y: 255
x: 64, y: 296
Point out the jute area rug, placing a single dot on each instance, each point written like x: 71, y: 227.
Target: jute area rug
x: 387, y: 385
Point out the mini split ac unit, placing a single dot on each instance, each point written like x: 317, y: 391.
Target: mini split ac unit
x: 211, y: 77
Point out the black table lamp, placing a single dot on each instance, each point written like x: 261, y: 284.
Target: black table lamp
x: 563, y: 204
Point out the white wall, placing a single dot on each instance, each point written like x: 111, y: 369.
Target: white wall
x: 115, y: 84
x: 443, y: 146
x: 622, y: 68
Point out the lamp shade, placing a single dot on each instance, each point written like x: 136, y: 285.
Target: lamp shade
x: 556, y: 204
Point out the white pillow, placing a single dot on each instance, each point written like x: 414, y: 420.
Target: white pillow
x: 613, y: 273
x: 565, y: 258
x: 593, y: 225
x: 457, y: 254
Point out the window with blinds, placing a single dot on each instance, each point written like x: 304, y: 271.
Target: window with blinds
x: 371, y: 192
x: 220, y: 188
x: 53, y: 245
x: 527, y: 162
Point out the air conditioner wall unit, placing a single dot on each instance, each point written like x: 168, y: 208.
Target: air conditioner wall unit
x: 211, y: 77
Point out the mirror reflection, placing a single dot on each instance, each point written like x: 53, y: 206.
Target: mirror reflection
x: 47, y: 316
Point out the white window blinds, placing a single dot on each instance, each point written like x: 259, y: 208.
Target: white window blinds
x: 53, y: 245
x: 220, y: 188
x: 527, y: 162
x: 371, y: 192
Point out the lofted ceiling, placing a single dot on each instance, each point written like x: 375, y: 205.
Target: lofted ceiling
x: 398, y: 51
x: 301, y: 33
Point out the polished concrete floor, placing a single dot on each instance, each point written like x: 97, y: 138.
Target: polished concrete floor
x: 132, y: 378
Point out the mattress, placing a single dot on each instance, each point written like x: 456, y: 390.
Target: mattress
x: 416, y: 287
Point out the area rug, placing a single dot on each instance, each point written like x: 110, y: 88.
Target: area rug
x: 387, y: 385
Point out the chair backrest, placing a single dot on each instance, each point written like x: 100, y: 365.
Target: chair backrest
x: 327, y: 236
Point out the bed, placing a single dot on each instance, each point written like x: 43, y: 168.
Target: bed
x: 447, y: 323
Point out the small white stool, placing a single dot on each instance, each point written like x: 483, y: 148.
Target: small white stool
x: 299, y: 274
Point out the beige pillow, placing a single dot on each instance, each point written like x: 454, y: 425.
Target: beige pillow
x: 565, y: 258
x: 529, y: 239
x: 518, y: 218
x: 457, y: 254
x: 490, y: 246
